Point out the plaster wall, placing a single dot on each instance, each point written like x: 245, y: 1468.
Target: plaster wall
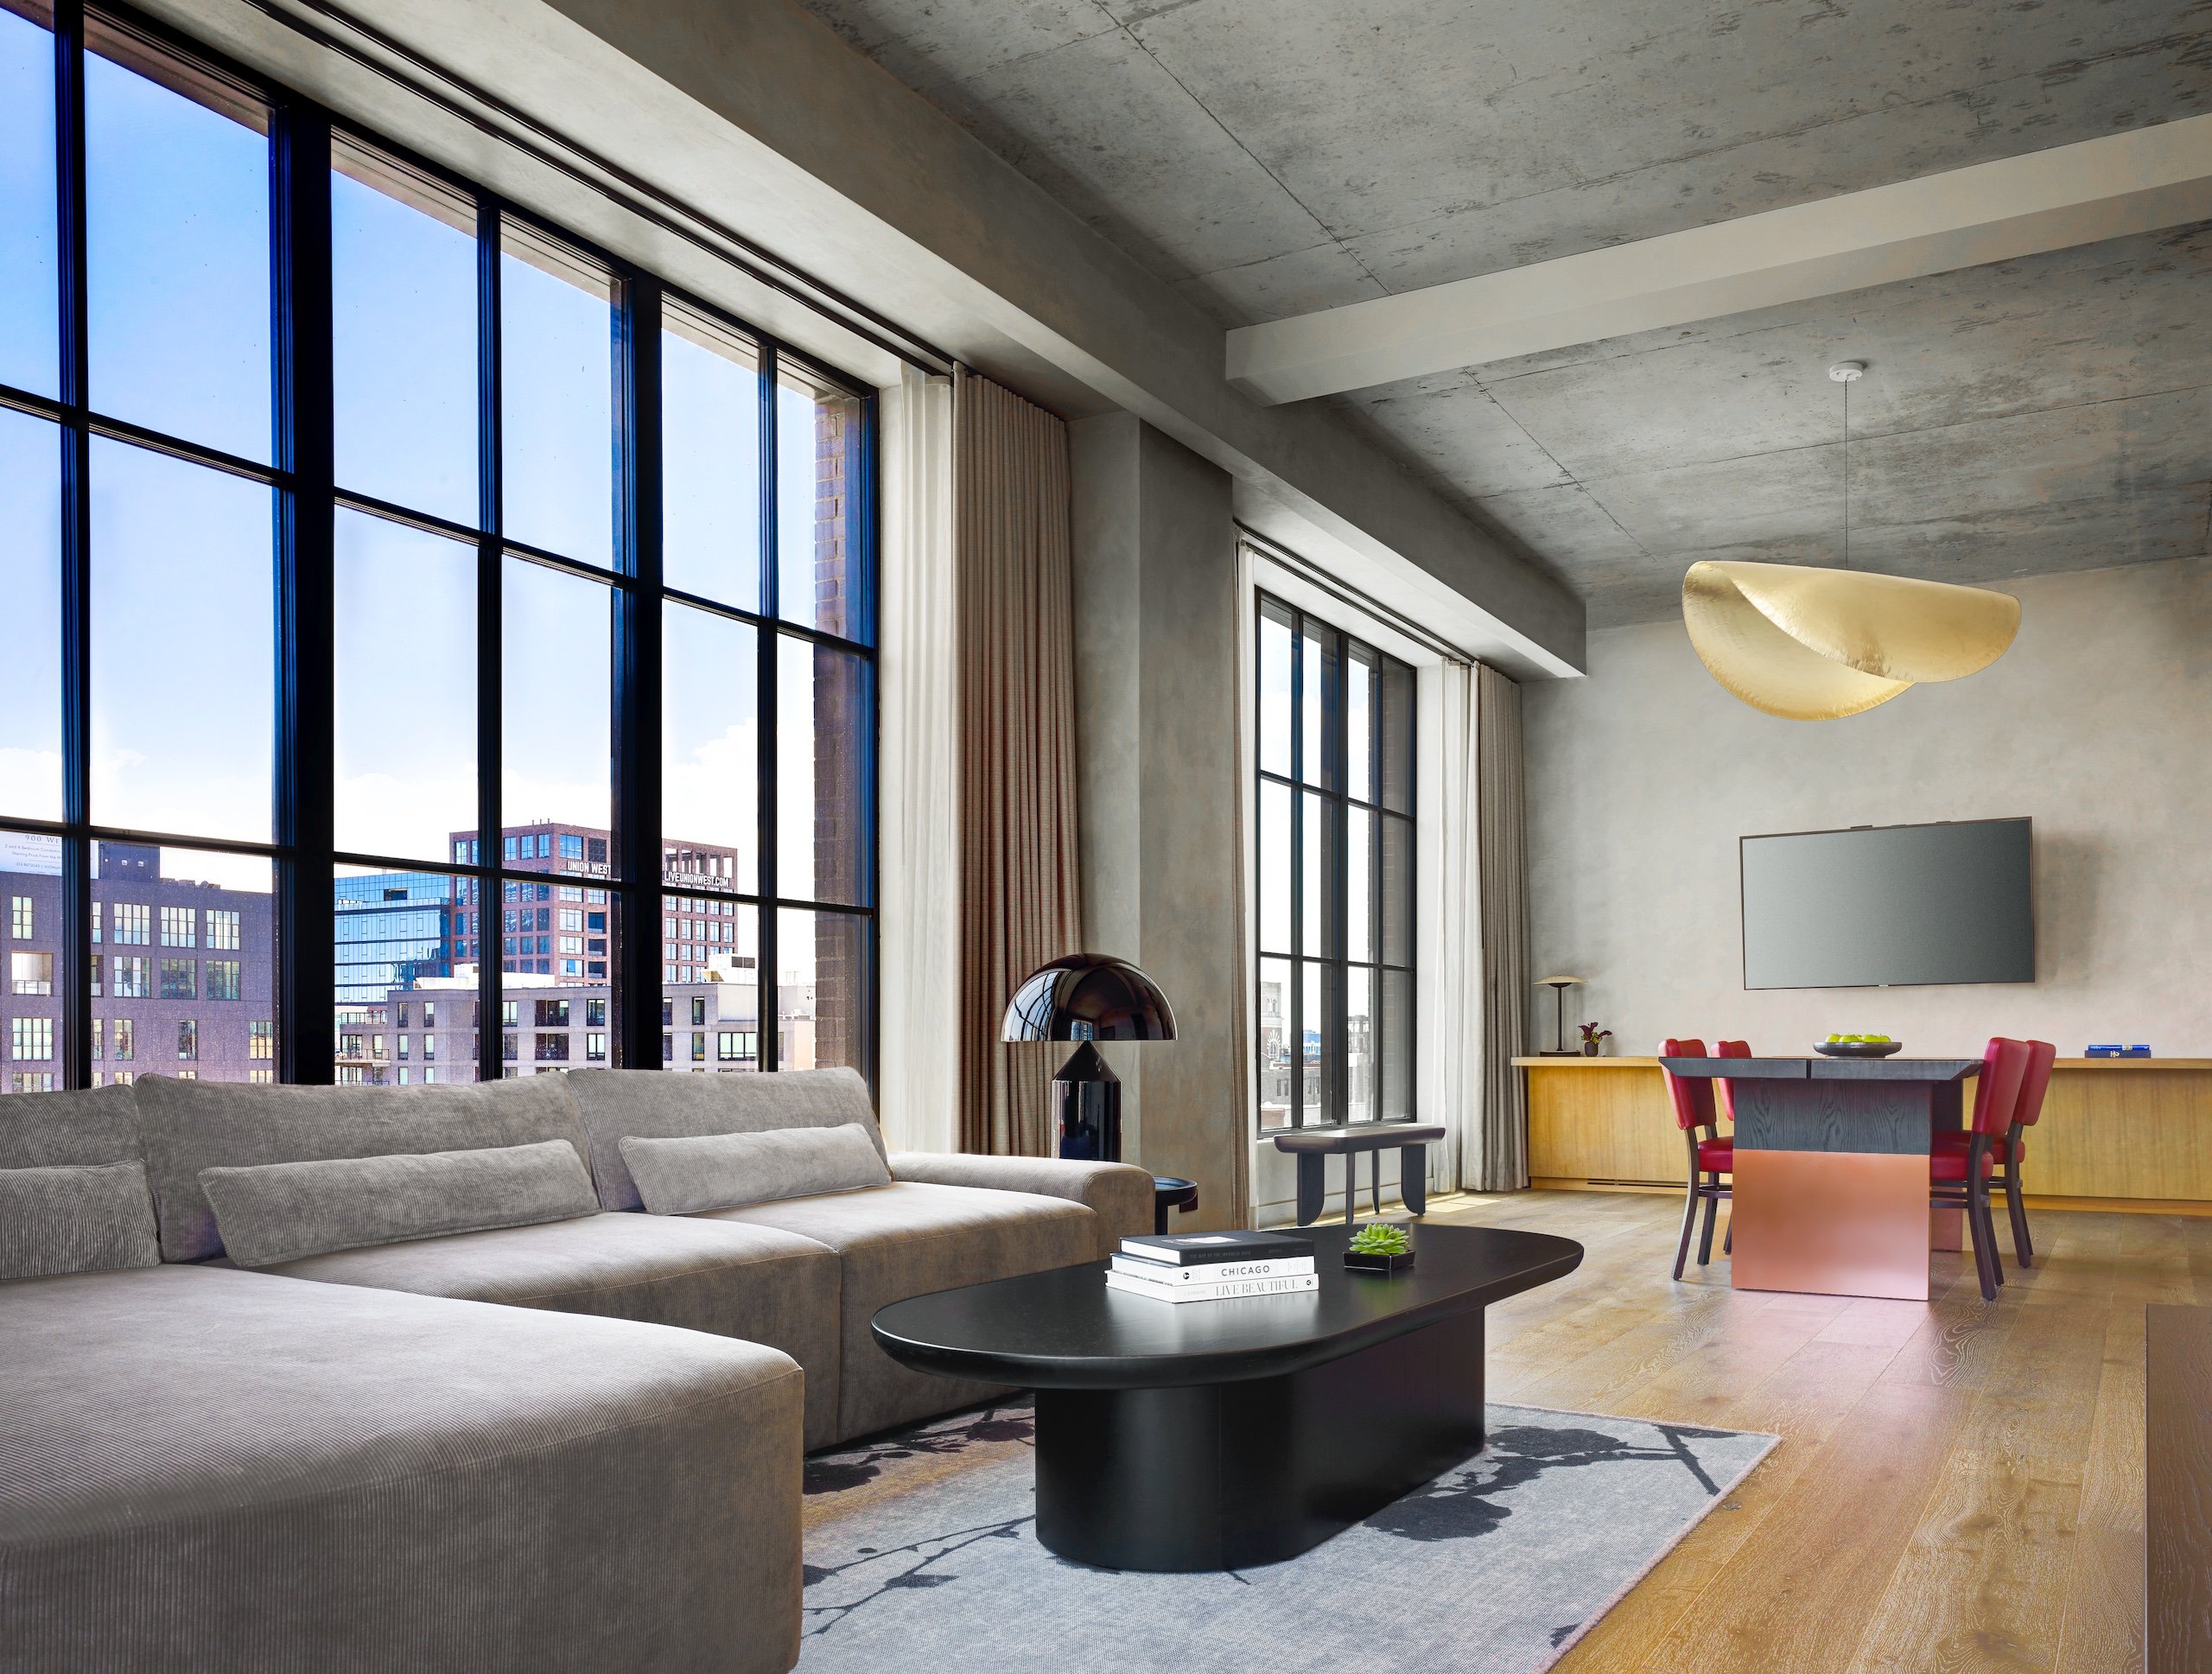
x: 1156, y: 618
x: 2095, y: 724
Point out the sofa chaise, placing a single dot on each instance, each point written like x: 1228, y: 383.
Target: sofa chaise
x: 375, y: 1379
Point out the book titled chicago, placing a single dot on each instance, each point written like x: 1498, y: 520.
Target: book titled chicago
x: 1160, y: 1272
x: 1287, y: 1285
x: 1211, y: 1248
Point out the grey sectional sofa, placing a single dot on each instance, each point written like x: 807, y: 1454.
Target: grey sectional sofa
x: 482, y: 1449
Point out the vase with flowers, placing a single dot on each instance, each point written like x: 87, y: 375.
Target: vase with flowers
x: 1593, y: 1040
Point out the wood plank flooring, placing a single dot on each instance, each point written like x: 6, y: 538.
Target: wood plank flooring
x: 1960, y: 1483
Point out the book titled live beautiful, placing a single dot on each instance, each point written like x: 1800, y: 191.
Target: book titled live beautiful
x: 1225, y: 1272
x: 1285, y: 1285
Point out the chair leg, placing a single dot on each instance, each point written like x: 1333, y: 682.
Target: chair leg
x: 1704, y: 1238
x: 2023, y: 1248
x: 1689, y: 1221
x: 1985, y: 1239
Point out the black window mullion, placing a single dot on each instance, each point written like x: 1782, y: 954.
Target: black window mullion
x: 767, y: 990
x: 636, y: 767
x: 491, y: 963
x: 1336, y: 1049
x: 76, y: 551
x: 1295, y: 1008
x: 301, y: 298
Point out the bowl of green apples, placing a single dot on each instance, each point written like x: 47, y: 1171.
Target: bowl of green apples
x: 1858, y: 1046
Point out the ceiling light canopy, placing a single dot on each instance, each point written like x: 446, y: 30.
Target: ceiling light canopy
x: 1811, y: 644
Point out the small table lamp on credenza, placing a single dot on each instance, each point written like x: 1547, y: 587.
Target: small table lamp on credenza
x: 1087, y: 997
x: 1559, y: 985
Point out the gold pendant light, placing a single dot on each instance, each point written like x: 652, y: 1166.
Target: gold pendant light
x: 1811, y: 644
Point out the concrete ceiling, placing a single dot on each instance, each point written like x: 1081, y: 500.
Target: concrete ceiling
x: 1272, y: 157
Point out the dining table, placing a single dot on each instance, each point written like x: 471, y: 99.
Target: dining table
x: 1830, y: 1183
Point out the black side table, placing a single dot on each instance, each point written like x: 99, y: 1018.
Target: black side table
x: 1170, y: 1193
x: 1313, y: 1146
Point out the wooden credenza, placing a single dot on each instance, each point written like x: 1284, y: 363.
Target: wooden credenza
x: 2120, y: 1133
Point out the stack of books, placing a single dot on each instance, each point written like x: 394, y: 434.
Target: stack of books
x: 1208, y: 1267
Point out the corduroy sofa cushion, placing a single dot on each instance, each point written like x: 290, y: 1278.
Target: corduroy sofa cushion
x: 76, y: 1220
x: 618, y: 1104
x: 69, y: 1130
x: 725, y: 1171
x: 191, y: 1126
x: 209, y: 1469
x: 280, y: 1212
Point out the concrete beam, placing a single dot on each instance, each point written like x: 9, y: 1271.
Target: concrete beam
x: 1992, y: 212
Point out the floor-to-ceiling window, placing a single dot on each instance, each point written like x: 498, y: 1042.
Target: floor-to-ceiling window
x: 349, y: 514
x: 1335, y: 873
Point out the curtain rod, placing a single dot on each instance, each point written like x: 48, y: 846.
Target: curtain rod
x: 1345, y: 593
x: 725, y: 244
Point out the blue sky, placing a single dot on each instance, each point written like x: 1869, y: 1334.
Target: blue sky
x: 183, y: 599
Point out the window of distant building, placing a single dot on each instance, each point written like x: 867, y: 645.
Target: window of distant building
x: 1335, y: 921
x: 188, y: 1040
x: 222, y: 930
x: 128, y: 975
x: 180, y: 979
x: 132, y: 924
x: 30, y: 973
x: 22, y: 919
x: 32, y: 1038
x: 223, y: 979
x: 179, y: 927
x: 261, y: 1040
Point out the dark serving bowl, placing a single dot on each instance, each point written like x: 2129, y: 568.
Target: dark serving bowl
x: 1858, y: 1048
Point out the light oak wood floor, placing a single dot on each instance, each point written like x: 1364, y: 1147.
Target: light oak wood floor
x: 1959, y: 1485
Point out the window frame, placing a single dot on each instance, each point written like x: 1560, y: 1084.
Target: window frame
x: 299, y: 474
x: 1330, y: 786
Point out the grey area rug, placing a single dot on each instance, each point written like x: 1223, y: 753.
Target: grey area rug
x: 922, y: 1555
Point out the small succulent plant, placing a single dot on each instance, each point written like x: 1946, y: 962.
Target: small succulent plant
x: 1375, y: 1238
x: 1591, y: 1034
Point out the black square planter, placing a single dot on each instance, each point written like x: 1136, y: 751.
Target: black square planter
x: 1357, y: 1262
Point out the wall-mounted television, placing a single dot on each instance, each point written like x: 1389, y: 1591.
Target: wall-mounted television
x: 1889, y: 906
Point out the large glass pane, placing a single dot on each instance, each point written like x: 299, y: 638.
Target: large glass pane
x: 1275, y: 1063
x: 557, y: 398
x: 711, y: 460
x: 710, y: 763
x: 403, y: 281
x: 817, y: 452
x: 31, y: 582
x: 405, y: 672
x: 822, y: 709
x: 1318, y: 926
x: 1359, y: 1044
x: 1397, y: 891
x: 1359, y: 723
x: 1321, y: 1006
x: 1312, y: 727
x: 404, y: 1011
x: 823, y: 989
x: 1359, y: 849
x: 1276, y: 883
x: 184, y: 964
x: 183, y: 666
x: 556, y: 684
x: 710, y: 997
x: 176, y: 174
x: 1397, y: 767
x: 34, y: 970
x: 1395, y: 1042
x: 1274, y: 688
x: 30, y: 314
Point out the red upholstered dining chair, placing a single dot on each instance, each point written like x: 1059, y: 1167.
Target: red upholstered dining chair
x: 1959, y: 1179
x: 1724, y: 1095
x: 2007, y: 1154
x: 1711, y: 1157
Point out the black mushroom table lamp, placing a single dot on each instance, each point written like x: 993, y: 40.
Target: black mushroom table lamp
x: 1087, y: 997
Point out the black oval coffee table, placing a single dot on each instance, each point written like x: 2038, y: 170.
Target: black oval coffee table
x: 1218, y: 1435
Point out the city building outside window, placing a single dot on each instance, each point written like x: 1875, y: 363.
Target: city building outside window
x: 1335, y: 869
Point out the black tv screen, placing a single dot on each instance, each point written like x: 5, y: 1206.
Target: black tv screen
x: 1885, y: 905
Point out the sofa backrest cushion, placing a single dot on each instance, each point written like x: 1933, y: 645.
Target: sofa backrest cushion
x: 69, y: 1130
x: 191, y: 1126
x: 727, y: 1171
x: 618, y: 1104
x: 75, y: 1218
x: 286, y: 1211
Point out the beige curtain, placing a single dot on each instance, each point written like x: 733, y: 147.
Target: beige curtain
x: 1501, y: 825
x: 1019, y: 903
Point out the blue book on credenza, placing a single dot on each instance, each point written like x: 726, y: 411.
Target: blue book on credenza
x: 2115, y: 1050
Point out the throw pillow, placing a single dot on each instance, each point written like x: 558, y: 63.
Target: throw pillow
x: 84, y: 1218
x: 726, y: 1171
